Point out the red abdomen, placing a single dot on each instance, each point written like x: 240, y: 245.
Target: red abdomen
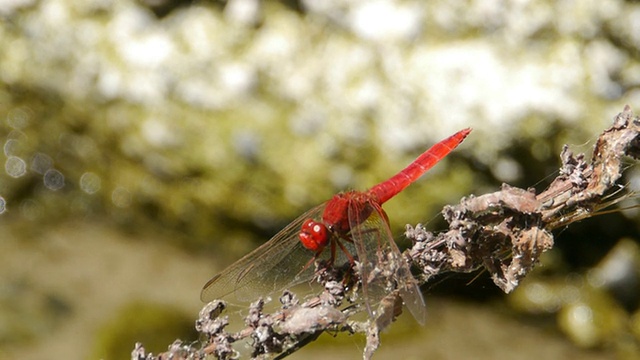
x: 390, y: 188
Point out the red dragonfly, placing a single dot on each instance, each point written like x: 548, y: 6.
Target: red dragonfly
x: 352, y: 221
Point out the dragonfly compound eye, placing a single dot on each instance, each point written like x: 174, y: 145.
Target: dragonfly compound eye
x: 313, y: 235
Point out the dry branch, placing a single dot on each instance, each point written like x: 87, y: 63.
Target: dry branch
x: 505, y: 232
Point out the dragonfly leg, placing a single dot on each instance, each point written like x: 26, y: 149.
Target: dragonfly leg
x: 311, y: 261
x: 344, y: 250
x: 333, y: 251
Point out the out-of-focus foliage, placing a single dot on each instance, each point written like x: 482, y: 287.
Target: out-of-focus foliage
x: 156, y: 325
x: 189, y: 119
x: 592, y: 308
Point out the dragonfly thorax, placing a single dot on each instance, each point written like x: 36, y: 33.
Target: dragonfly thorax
x: 336, y: 214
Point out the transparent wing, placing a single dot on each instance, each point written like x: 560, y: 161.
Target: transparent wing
x: 383, y: 267
x: 277, y: 264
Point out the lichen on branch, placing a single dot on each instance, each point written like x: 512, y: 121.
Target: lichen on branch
x: 504, y: 232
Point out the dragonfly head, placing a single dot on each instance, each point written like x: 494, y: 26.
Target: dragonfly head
x: 314, y: 235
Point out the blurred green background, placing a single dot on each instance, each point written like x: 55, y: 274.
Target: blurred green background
x: 148, y: 144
